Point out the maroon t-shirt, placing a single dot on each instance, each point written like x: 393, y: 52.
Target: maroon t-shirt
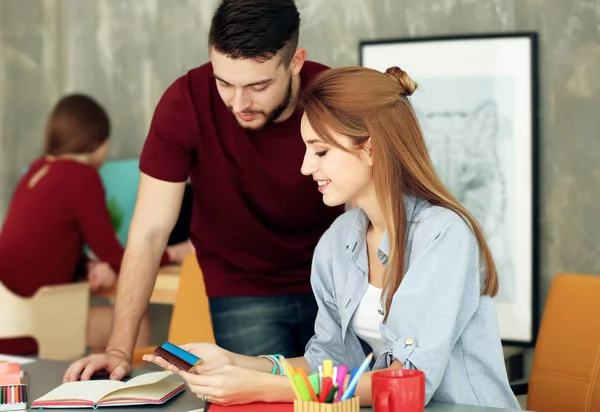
x: 256, y: 219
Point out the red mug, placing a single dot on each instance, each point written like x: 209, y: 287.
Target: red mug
x: 395, y: 390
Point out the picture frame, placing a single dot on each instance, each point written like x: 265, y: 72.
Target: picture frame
x: 477, y: 104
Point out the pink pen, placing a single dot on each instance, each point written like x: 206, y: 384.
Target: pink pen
x: 340, y: 379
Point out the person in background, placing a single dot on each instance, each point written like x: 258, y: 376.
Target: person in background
x: 406, y: 275
x: 232, y: 126
x: 58, y: 207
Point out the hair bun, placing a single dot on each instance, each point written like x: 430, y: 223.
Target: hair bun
x: 408, y: 85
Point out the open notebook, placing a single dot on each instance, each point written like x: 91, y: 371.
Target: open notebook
x: 149, y: 388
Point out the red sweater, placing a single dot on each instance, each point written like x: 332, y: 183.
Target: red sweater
x: 45, y: 230
x: 256, y: 219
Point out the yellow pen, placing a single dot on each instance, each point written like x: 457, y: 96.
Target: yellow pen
x: 327, y: 368
x: 289, y: 372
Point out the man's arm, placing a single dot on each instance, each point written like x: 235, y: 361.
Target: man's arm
x: 154, y: 217
x: 156, y: 211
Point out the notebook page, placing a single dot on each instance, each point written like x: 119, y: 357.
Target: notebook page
x: 153, y: 392
x: 147, y: 378
x: 83, y: 390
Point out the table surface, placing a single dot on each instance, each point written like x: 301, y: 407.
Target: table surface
x: 45, y: 375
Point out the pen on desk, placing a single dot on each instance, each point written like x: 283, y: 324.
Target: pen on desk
x: 311, y: 391
x: 314, y: 382
x: 301, y: 387
x: 327, y: 368
x: 289, y: 372
x: 331, y: 395
x: 25, y: 382
x: 341, y: 379
x: 352, y: 375
x: 320, y: 376
x: 354, y: 381
x: 325, y: 389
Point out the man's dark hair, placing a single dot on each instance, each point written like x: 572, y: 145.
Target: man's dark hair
x: 249, y: 29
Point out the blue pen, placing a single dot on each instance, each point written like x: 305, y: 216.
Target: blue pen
x: 180, y: 353
x: 355, y: 378
x: 352, y: 375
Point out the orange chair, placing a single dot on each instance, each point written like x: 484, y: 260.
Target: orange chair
x: 565, y: 375
x: 190, y: 320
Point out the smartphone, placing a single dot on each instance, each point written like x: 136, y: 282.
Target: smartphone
x: 181, y: 358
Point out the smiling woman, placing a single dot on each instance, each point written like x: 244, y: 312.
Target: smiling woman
x: 406, y: 274
x: 342, y: 175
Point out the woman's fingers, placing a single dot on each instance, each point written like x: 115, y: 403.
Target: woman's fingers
x: 157, y: 360
x: 212, y: 366
x: 201, y: 385
x: 191, y: 348
x: 201, y: 380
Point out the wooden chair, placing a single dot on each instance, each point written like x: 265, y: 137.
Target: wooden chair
x: 190, y: 320
x: 56, y: 317
x: 565, y: 375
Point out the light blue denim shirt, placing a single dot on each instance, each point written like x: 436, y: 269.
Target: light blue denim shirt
x: 438, y: 323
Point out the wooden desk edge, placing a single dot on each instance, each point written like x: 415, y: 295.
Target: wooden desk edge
x: 165, y: 288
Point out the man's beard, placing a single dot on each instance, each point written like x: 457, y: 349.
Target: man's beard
x: 273, y: 114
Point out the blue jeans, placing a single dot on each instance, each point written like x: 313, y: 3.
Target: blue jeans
x: 264, y: 325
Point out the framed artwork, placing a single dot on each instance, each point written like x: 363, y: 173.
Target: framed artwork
x: 477, y: 104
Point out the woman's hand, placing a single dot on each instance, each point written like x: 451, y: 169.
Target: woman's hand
x: 100, y: 275
x: 230, y: 385
x: 178, y: 252
x: 212, y: 357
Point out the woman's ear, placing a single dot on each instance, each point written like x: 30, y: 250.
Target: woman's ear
x: 368, y: 149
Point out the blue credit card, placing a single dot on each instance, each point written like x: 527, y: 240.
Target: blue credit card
x: 180, y: 353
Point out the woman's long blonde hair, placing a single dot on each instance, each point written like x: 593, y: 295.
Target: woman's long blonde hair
x: 362, y: 103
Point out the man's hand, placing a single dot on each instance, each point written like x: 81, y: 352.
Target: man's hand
x: 115, y: 363
x: 146, y: 242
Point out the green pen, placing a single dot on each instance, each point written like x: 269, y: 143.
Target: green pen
x: 331, y: 395
x: 301, y: 386
x: 314, y: 382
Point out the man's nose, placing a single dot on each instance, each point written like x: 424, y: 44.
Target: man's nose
x: 240, y: 101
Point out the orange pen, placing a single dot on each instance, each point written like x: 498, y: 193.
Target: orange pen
x: 313, y: 395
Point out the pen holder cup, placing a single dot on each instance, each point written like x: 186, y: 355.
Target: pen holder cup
x: 349, y: 405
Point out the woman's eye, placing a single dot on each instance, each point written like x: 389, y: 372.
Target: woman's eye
x: 321, y: 154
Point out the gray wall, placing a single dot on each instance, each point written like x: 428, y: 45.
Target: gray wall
x: 126, y: 52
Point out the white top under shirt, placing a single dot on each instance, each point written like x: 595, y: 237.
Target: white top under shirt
x: 366, y: 320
